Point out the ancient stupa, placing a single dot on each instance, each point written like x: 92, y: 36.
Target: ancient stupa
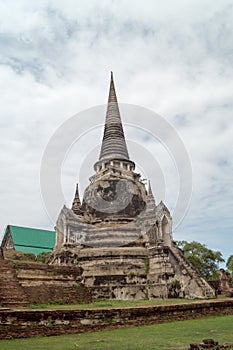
x: 118, y: 235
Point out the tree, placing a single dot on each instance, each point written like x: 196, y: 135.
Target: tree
x: 229, y: 264
x: 41, y: 257
x: 205, y: 260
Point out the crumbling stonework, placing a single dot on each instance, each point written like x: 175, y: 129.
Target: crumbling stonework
x: 226, y: 284
x: 11, y: 292
x: 26, y: 283
x: 29, y: 323
x: 118, y: 235
x: 210, y: 344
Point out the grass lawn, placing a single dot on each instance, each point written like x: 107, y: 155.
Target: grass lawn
x: 113, y: 303
x: 172, y: 335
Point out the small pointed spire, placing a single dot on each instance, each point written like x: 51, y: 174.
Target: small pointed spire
x: 149, y: 188
x: 76, y: 205
x: 150, y: 196
x: 113, y: 144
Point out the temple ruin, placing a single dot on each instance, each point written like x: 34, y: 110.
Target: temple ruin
x: 118, y: 235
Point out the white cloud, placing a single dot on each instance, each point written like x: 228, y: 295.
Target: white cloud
x: 172, y: 57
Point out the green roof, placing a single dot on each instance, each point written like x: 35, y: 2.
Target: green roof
x: 33, y: 250
x: 32, y: 240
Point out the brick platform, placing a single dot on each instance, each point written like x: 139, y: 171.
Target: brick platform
x: 28, y: 323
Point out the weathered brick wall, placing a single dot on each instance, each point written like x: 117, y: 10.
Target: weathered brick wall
x: 48, y: 283
x: 47, y: 293
x: 25, y: 323
x: 34, y: 274
x: 41, y: 283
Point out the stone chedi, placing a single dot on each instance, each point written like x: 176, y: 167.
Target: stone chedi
x: 118, y: 235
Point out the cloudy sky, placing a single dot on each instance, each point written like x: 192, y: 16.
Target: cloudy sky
x: 172, y: 58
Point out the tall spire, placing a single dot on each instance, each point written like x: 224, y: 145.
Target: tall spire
x: 113, y: 144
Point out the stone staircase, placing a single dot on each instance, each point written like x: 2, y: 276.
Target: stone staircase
x: 208, y: 292
x: 11, y: 292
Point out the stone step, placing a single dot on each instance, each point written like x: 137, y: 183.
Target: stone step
x: 207, y: 290
x: 11, y: 292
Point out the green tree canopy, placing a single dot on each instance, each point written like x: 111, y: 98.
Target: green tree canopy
x: 229, y: 264
x: 205, y: 260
